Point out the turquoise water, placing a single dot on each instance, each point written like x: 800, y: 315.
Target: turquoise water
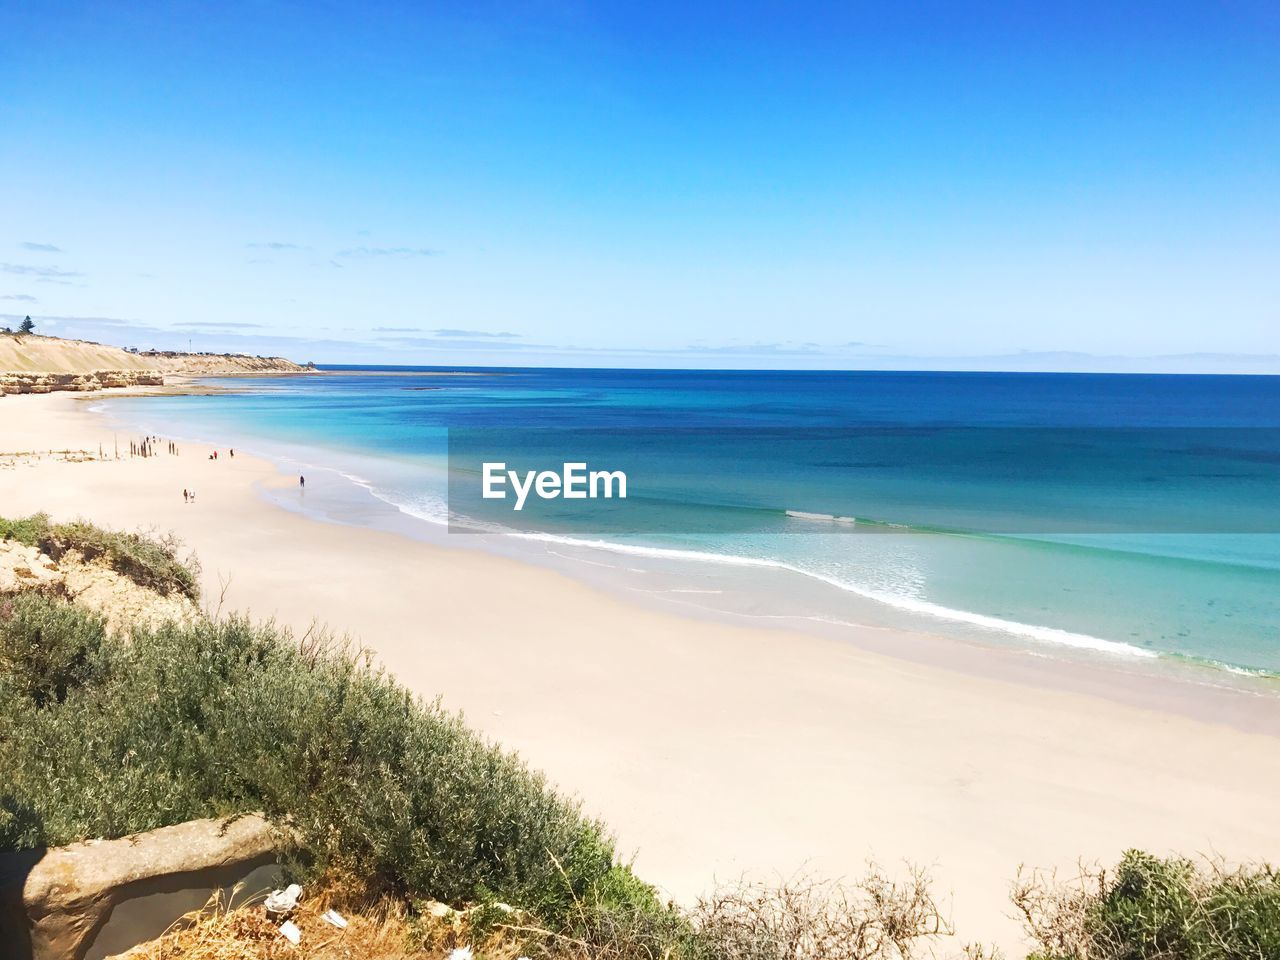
x: 1129, y: 516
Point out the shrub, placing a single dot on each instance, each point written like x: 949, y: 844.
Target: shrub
x: 1151, y: 908
x: 876, y: 919
x: 619, y: 917
x: 148, y: 561
x: 46, y: 648
x: 28, y: 530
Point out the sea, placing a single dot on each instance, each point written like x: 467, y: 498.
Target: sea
x: 1122, y: 518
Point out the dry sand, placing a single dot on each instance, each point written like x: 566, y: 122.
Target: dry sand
x: 711, y: 749
x: 28, y: 354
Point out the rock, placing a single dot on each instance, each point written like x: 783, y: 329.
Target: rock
x: 54, y: 903
x: 441, y: 911
x: 23, y: 567
x: 78, y: 382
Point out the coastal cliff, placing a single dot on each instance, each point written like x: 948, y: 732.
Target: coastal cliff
x: 97, y: 380
x: 220, y: 364
x: 36, y: 364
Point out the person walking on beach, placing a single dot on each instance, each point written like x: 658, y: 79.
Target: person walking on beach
x: 302, y: 481
x: 185, y: 498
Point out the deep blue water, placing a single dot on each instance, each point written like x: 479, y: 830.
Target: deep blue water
x: 1135, y: 514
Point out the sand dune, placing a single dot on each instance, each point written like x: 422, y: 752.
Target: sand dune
x: 34, y: 354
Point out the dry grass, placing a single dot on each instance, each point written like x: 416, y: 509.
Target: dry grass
x: 245, y: 933
x: 877, y: 918
x: 376, y: 930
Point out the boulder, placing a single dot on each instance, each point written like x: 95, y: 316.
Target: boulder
x: 55, y: 903
x: 23, y: 567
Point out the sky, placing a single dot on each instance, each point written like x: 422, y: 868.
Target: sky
x: 846, y: 185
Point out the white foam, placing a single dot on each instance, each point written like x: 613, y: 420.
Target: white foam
x: 820, y: 517
x: 915, y: 605
x: 1255, y: 672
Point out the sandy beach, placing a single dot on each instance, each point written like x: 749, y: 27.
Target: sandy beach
x: 710, y: 748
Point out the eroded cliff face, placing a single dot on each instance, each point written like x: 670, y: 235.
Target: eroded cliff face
x: 98, y: 380
x: 36, y: 364
x: 91, y: 584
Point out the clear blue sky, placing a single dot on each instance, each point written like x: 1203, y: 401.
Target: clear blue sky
x: 649, y: 184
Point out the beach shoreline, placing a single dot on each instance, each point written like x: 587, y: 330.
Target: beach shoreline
x: 711, y: 747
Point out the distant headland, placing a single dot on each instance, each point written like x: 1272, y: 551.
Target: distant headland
x: 30, y: 363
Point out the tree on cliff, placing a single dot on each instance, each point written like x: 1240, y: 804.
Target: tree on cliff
x: 26, y: 326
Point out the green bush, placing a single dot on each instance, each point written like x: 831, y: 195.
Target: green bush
x: 28, y: 530
x: 1151, y: 908
x: 46, y: 649
x: 148, y: 561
